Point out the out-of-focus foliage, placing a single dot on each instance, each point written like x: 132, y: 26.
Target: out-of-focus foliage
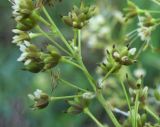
x: 15, y: 84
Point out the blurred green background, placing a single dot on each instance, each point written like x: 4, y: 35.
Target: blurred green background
x: 15, y: 84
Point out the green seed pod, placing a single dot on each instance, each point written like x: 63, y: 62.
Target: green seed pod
x: 34, y: 67
x: 77, y: 105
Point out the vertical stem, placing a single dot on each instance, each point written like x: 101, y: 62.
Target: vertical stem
x: 79, y: 59
x: 136, y: 109
x: 89, y: 77
x: 126, y: 95
x: 128, y: 101
x: 75, y: 37
x: 107, y: 108
x: 86, y: 111
x: 79, y: 41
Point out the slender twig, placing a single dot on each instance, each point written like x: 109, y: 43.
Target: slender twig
x: 65, y: 60
x: 72, y: 85
x: 86, y: 111
x: 75, y: 37
x: 106, y: 76
x: 64, y: 97
x: 136, y: 109
x: 54, y: 42
x: 57, y: 30
x: 152, y: 113
x: 89, y: 77
x: 79, y: 41
x: 108, y: 108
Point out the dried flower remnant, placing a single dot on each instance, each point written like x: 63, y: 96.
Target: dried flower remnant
x: 41, y: 99
x: 146, y: 26
x: 31, y: 57
x: 35, y: 61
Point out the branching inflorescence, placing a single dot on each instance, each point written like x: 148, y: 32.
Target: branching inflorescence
x: 118, y: 54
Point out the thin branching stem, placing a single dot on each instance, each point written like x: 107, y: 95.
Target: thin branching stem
x: 87, y: 112
x: 72, y: 85
x: 55, y: 28
x: 54, y: 42
x: 64, y: 97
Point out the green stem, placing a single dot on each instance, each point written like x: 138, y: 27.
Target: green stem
x: 87, y: 112
x: 126, y: 95
x: 63, y: 59
x: 58, y: 31
x: 152, y: 113
x: 79, y: 41
x: 150, y: 11
x: 41, y: 19
x: 75, y: 37
x: 55, y: 43
x: 156, y: 2
x: 108, y: 108
x: 106, y: 76
x: 89, y: 77
x: 34, y: 35
x: 128, y: 101
x: 136, y: 109
x: 72, y: 85
x: 64, y: 97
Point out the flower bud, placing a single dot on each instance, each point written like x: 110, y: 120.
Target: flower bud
x: 20, y: 37
x: 23, y: 13
x: 79, y: 17
x: 77, y: 105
